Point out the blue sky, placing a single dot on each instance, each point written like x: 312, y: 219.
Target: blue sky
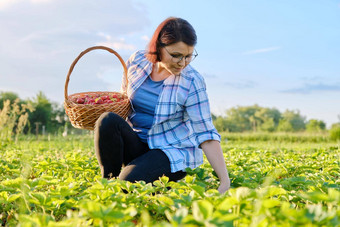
x: 282, y: 54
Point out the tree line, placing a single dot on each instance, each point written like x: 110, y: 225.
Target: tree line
x: 49, y: 117
x: 43, y: 117
x: 261, y: 119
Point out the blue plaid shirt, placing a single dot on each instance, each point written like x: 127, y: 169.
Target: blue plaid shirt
x: 182, y: 118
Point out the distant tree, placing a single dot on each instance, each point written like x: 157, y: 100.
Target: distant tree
x: 268, y: 125
x: 285, y: 126
x: 335, y: 125
x: 255, y: 121
x: 334, y: 132
x: 269, y: 119
x: 291, y: 121
x: 243, y: 118
x: 220, y: 124
x: 43, y: 112
x: 253, y: 118
x: 256, y: 118
x: 314, y: 125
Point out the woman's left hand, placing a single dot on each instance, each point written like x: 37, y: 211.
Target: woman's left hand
x: 224, y: 186
x: 214, y: 153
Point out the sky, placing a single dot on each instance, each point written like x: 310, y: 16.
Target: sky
x: 282, y: 54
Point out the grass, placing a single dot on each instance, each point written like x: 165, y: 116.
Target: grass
x: 277, y: 180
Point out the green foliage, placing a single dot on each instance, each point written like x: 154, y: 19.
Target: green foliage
x: 315, y: 125
x: 285, y: 126
x: 224, y: 125
x: 244, y: 117
x: 56, y: 182
x: 43, y: 111
x: 268, y: 119
x: 259, y: 119
x: 268, y: 125
x: 334, y: 132
x: 291, y: 121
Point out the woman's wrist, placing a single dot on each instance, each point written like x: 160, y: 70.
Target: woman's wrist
x: 224, y: 176
x: 224, y: 186
x: 225, y: 180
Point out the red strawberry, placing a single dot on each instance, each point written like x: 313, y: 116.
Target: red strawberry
x: 99, y: 101
x: 89, y: 101
x: 80, y: 100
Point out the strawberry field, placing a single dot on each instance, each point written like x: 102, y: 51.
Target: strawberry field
x: 55, y: 181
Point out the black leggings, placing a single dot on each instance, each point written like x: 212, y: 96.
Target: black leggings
x: 117, y: 146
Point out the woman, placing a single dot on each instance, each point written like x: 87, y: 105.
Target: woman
x: 171, y: 121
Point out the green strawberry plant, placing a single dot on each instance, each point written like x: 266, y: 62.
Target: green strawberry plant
x: 56, y: 182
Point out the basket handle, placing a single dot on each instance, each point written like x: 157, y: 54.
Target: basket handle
x: 86, y: 51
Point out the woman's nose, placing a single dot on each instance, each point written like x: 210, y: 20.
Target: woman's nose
x: 181, y: 62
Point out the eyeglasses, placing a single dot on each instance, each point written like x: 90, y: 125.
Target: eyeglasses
x: 176, y: 58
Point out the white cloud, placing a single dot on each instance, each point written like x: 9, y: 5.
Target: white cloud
x: 40, y: 1
x: 114, y: 43
x: 40, y: 35
x: 117, y: 45
x: 316, y: 87
x: 5, y: 4
x: 263, y: 50
x: 145, y: 38
x: 39, y: 42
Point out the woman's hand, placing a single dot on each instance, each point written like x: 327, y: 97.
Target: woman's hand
x: 224, y: 186
x: 214, y: 153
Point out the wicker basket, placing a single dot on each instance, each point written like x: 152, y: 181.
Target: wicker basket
x: 84, y: 116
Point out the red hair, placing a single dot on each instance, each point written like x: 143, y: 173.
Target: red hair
x: 170, y: 31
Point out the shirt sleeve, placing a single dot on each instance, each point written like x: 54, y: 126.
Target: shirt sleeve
x: 131, y: 65
x: 198, y: 110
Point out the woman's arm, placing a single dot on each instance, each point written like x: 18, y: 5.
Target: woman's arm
x: 214, y: 153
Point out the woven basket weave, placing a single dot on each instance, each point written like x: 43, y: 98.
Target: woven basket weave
x: 84, y: 116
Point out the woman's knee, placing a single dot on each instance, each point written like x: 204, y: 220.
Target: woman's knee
x: 108, y: 120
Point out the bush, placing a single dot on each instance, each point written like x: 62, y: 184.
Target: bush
x: 334, y: 133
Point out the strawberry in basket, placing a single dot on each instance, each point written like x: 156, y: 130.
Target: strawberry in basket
x: 97, y: 99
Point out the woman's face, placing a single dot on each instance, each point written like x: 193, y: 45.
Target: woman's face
x: 175, y: 57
